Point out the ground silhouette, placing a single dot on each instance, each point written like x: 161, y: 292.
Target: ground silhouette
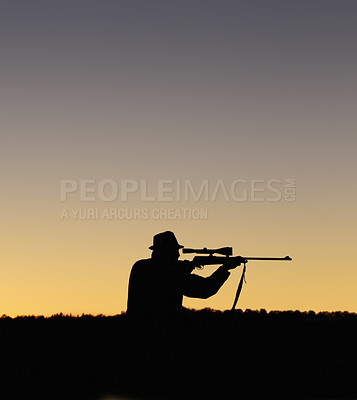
x: 198, y: 354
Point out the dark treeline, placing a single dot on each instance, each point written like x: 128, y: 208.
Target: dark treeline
x: 200, y: 354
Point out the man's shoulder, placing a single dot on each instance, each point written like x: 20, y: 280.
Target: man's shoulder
x: 142, y: 263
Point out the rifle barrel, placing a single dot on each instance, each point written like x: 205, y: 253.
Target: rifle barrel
x: 212, y: 260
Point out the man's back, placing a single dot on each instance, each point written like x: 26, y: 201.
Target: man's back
x: 155, y: 287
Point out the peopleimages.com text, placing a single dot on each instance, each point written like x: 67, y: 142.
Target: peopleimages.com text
x: 177, y: 190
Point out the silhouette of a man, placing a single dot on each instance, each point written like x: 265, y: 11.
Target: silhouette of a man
x: 157, y: 285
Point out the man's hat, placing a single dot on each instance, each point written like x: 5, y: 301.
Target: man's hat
x: 165, y: 240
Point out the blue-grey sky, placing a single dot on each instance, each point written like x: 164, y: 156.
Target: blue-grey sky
x: 231, y: 76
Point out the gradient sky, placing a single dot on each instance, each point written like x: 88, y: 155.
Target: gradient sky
x: 194, y: 90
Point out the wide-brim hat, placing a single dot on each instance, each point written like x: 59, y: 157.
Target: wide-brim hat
x: 165, y: 240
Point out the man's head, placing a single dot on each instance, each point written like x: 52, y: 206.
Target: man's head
x: 165, y: 247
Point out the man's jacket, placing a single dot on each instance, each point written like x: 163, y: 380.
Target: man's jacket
x: 156, y: 288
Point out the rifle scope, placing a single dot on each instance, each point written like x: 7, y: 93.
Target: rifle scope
x: 224, y: 251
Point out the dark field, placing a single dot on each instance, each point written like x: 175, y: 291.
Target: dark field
x: 201, y: 354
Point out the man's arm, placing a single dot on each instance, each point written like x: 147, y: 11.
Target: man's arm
x: 202, y: 288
